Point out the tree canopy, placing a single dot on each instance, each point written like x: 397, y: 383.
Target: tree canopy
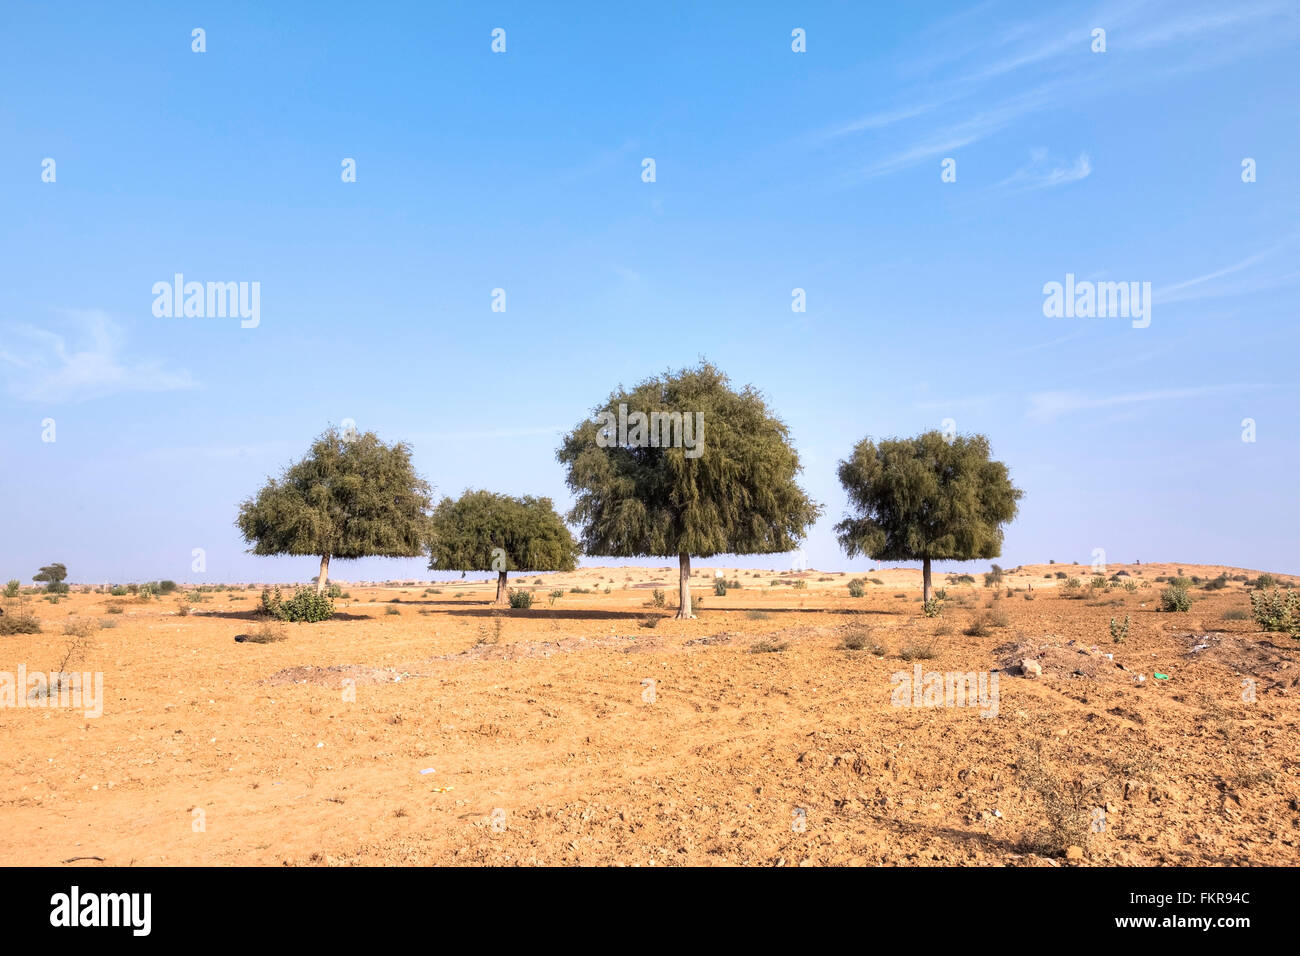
x: 708, y: 470
x: 925, y: 498
x: 483, y: 531
x: 351, y: 496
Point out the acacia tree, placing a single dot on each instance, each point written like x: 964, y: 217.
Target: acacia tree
x: 684, y: 465
x: 352, y: 496
x: 926, y: 498
x: 52, y: 576
x: 482, y: 531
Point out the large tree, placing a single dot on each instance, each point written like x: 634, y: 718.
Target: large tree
x: 684, y: 465
x: 482, y: 531
x: 52, y: 576
x: 352, y: 496
x: 926, y: 498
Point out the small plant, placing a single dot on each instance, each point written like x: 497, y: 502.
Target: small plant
x: 1130, y: 586
x: 1265, y: 581
x: 108, y: 623
x: 113, y: 609
x: 720, y: 588
x: 857, y: 588
x: 579, y: 590
x: 394, y: 611
x: 1098, y: 582
x: 932, y: 607
x: 1236, y: 614
x: 555, y: 595
x: 13, y: 588
x: 658, y: 598
x: 767, y: 647
x: 941, y: 594
x: 266, y: 632
x: 1119, y: 632
x: 306, y: 606
x: 335, y: 591
x: 979, y: 627
x: 917, y: 652
x: 650, y: 622
x: 521, y: 600
x: 1175, y: 598
x: 799, y: 585
x: 1276, y: 610
x: 993, y: 578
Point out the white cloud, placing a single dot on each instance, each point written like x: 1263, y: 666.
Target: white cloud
x: 1045, y: 406
x: 47, y: 366
x: 1043, y: 172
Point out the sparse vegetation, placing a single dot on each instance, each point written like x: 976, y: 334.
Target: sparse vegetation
x: 1175, y: 598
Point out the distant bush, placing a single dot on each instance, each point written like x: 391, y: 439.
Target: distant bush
x: 166, y: 587
x: 720, y: 588
x: 13, y: 588
x: 1098, y: 582
x: 521, y: 600
x: 306, y: 606
x: 1061, y: 575
x: 1175, y: 598
x: 917, y: 652
x: 334, y: 591
x: 1180, y: 582
x: 767, y: 647
x: 1276, y: 610
x: 658, y: 598
x: 80, y: 627
x: 267, y: 633
x: 799, y: 585
x: 113, y: 609
x: 1130, y: 586
x: 1265, y: 581
x: 993, y: 578
x: 857, y: 588
x: 555, y: 595
x: 932, y: 607
x: 960, y: 579
x: 580, y: 590
x: 1236, y: 614
x: 396, y: 612
x: 1217, y: 584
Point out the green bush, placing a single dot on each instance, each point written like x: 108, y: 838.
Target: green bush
x: 334, y: 591
x: 1218, y: 584
x: 720, y: 588
x: 165, y: 587
x: 1265, y: 581
x: 13, y: 588
x: 658, y: 598
x: 799, y: 585
x: 932, y: 607
x: 993, y: 578
x: 1276, y: 610
x: 1119, y: 632
x: 1175, y: 598
x: 857, y: 588
x: 521, y: 600
x: 306, y: 606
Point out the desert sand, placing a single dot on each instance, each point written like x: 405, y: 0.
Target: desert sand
x: 434, y: 728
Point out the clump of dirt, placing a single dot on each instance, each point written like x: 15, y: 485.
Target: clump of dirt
x: 1061, y: 658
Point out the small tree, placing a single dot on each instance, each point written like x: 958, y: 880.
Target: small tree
x: 684, y: 465
x: 350, y: 497
x: 482, y: 531
x: 52, y: 576
x: 926, y: 498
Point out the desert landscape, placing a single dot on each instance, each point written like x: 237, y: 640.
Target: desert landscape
x: 422, y: 724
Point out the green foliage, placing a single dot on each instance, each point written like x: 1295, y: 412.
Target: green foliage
x: 305, y: 606
x: 1276, y: 610
x: 335, y: 591
x: 166, y: 587
x: 1119, y: 632
x: 658, y: 598
x: 799, y: 585
x: 857, y: 588
x: 932, y: 607
x: 521, y: 599
x: 467, y: 532
x: 117, y: 590
x: 720, y: 588
x: 1130, y: 586
x: 1175, y: 598
x: 925, y: 498
x: 555, y: 595
x: 1217, y: 584
x: 993, y: 578
x: 13, y: 588
x: 52, y: 576
x: 738, y: 496
x: 348, y: 498
x: 1265, y: 581
x: 1098, y: 582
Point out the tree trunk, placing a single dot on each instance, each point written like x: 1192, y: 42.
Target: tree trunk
x: 684, y: 593
x: 503, y: 593
x: 323, y: 578
x: 925, y: 580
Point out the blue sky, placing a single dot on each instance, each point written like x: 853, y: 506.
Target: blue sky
x: 522, y: 170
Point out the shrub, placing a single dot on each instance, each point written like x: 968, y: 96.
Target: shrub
x: 932, y: 607
x: 1276, y: 610
x: 877, y: 582
x: 396, y: 612
x: 113, y: 609
x: 1119, y: 632
x: 20, y: 624
x: 108, y: 623
x: 993, y: 578
x: 334, y: 591
x: 979, y: 627
x: 917, y: 652
x: 799, y: 585
x: 555, y: 595
x: 117, y: 591
x: 1236, y: 614
x: 960, y: 579
x: 1265, y: 581
x: 1130, y: 586
x: 1218, y: 584
x: 767, y: 647
x: 306, y: 606
x: 13, y: 588
x: 1180, y: 582
x: 521, y: 600
x: 941, y: 593
x: 658, y: 598
x: 1098, y: 582
x: 1061, y: 575
x: 579, y: 590
x: 266, y: 633
x: 857, y: 588
x: 1175, y: 598
x: 80, y: 627
x: 166, y: 587
x: 720, y: 588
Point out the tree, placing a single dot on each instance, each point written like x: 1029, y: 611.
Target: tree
x: 684, y: 465
x: 926, y: 498
x: 482, y: 531
x: 352, y: 496
x: 52, y: 576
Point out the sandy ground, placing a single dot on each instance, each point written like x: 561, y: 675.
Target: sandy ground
x: 576, y: 732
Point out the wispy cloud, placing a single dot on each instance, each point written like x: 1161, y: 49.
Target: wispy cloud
x: 1043, y: 172
x: 1044, y: 406
x: 86, y: 363
x: 1206, y: 286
